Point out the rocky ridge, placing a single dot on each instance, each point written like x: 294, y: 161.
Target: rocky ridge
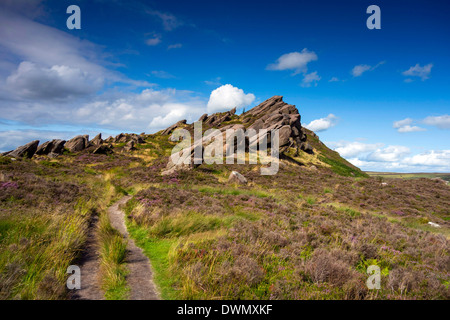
x: 296, y: 143
x: 272, y: 114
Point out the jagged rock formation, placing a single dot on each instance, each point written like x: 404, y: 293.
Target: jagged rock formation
x: 56, y: 147
x: 297, y: 145
x: 25, y: 151
x: 126, y: 137
x: 97, y: 140
x: 173, y: 127
x: 216, y: 119
x: 51, y: 148
x: 102, y: 149
x: 129, y: 146
x: 272, y: 114
x: 78, y: 143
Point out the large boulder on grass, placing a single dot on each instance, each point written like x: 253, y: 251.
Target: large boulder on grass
x: 173, y: 127
x: 130, y: 146
x: 52, y: 147
x: 102, y: 149
x: 77, y: 144
x: 25, y: 151
x: 97, y: 140
x: 236, y: 177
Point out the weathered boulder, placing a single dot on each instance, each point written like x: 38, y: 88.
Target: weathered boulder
x: 173, y: 127
x: 25, y: 151
x: 137, y: 138
x: 54, y: 147
x: 211, y: 119
x: 284, y: 134
x: 186, y: 159
x: 102, y: 149
x: 236, y: 177
x: 122, y: 137
x: 130, y: 146
x: 78, y: 143
x: 97, y: 140
x: 126, y: 137
x: 305, y: 146
x: 203, y: 117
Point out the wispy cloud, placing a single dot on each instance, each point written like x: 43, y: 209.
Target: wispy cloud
x: 154, y: 40
x: 358, y: 70
x: 174, y: 46
x: 310, y: 79
x: 169, y: 21
x: 296, y: 61
x: 417, y: 71
x: 162, y: 74
x: 214, y: 82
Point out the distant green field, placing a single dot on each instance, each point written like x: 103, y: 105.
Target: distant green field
x: 444, y: 176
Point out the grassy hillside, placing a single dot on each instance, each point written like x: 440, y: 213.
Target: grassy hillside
x: 304, y: 233
x: 331, y: 158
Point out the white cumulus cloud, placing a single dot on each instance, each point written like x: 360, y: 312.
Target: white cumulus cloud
x: 322, y: 124
x: 227, y: 97
x: 377, y: 157
x: 389, y: 154
x: 56, y: 82
x: 353, y: 149
x: 433, y: 158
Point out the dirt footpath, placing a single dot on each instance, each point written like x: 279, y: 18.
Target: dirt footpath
x: 140, y: 277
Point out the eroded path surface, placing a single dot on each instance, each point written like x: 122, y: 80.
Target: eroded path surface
x: 140, y: 276
x: 89, y: 267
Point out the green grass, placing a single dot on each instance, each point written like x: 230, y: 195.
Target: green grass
x: 35, y: 252
x: 187, y: 223
x: 157, y: 250
x: 311, y: 200
x: 234, y: 192
x: 327, y: 190
x: 339, y: 167
x: 348, y: 211
x: 113, y: 250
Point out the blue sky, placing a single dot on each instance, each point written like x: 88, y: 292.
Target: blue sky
x: 379, y: 97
